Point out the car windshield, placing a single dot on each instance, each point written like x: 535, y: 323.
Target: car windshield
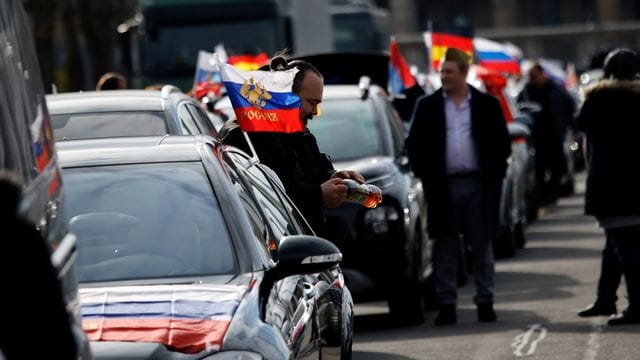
x: 347, y: 129
x: 146, y: 221
x: 108, y: 124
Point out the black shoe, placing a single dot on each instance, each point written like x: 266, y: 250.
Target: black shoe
x: 598, y: 309
x: 446, y: 315
x: 486, y: 313
x: 626, y: 318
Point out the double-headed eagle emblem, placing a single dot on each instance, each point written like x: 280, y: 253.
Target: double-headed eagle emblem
x: 255, y: 93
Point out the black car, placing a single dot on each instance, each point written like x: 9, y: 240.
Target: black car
x: 387, y: 253
x: 187, y: 246
x: 100, y: 114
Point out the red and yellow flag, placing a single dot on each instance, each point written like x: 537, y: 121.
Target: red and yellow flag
x: 438, y: 43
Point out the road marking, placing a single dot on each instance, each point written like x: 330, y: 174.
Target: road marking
x: 593, y: 345
x: 522, y: 340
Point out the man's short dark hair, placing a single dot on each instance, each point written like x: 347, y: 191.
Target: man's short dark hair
x: 621, y: 64
x: 279, y: 62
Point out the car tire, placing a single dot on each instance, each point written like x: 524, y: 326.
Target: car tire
x: 504, y: 245
x: 406, y: 298
x: 518, y: 234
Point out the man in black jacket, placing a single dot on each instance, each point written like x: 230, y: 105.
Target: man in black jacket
x: 307, y: 174
x: 458, y: 145
x: 612, y: 193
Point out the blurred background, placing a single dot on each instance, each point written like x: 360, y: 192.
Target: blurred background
x: 79, y: 40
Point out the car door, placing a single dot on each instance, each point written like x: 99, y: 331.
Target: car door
x: 291, y: 305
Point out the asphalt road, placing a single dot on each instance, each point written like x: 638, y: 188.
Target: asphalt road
x: 538, y: 293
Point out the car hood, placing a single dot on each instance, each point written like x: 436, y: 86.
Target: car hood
x: 372, y: 168
x: 187, y: 318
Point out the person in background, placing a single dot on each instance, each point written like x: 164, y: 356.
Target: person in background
x: 458, y: 145
x: 549, y: 131
x: 308, y: 175
x: 612, y: 193
x: 36, y: 323
x: 112, y: 81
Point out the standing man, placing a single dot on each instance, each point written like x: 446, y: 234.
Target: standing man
x: 458, y: 145
x: 307, y: 174
x: 549, y: 131
x: 612, y: 193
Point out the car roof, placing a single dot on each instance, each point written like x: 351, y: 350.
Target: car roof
x: 109, y: 100
x: 332, y: 92
x: 129, y: 150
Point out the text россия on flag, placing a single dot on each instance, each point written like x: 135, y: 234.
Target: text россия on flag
x: 263, y: 100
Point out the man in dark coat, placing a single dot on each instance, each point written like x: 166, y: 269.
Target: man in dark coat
x: 458, y: 145
x: 612, y: 193
x: 307, y: 174
x: 549, y: 131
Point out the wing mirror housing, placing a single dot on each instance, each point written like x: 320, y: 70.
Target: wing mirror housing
x: 305, y: 254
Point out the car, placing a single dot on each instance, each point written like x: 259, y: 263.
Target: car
x: 387, y: 253
x: 188, y: 247
x: 99, y: 114
x: 518, y: 184
x: 28, y: 152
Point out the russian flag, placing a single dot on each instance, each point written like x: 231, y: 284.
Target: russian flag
x: 496, y: 56
x: 438, y: 43
x: 400, y: 77
x: 207, y: 80
x: 263, y: 100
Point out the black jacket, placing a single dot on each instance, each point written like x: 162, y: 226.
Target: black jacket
x: 608, y: 118
x: 426, y: 145
x: 300, y: 165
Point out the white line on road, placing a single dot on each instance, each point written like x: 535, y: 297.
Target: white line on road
x: 522, y: 340
x: 593, y: 345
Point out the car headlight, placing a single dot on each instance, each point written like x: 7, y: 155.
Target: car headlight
x: 377, y: 219
x: 234, y: 355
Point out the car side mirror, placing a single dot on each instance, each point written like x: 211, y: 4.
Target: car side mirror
x: 305, y: 254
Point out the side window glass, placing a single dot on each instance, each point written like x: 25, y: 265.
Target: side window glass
x: 396, y: 126
x: 201, y: 119
x: 187, y: 121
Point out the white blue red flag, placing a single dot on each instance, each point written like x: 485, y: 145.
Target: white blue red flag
x: 400, y: 77
x: 263, y: 100
x: 496, y: 56
x: 207, y: 80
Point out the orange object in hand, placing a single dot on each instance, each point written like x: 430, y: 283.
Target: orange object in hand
x: 366, y: 194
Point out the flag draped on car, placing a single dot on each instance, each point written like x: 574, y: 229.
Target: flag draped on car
x: 438, y: 43
x: 400, y: 77
x: 263, y: 100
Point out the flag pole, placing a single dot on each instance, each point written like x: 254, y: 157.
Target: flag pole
x: 254, y: 155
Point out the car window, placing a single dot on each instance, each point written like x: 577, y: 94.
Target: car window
x: 202, y: 120
x: 146, y: 221
x: 282, y: 216
x: 108, y: 124
x: 347, y: 129
x: 395, y: 125
x: 187, y: 120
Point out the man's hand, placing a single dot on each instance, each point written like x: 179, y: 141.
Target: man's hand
x: 334, y: 192
x: 348, y: 174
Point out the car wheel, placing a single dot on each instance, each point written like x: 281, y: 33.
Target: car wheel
x: 504, y: 245
x: 406, y: 298
x: 518, y: 234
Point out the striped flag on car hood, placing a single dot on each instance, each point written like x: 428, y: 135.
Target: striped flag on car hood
x: 185, y: 318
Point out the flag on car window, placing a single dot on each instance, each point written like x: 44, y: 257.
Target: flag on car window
x: 249, y: 62
x: 400, y: 77
x: 207, y: 80
x: 438, y: 43
x: 496, y: 56
x: 263, y: 100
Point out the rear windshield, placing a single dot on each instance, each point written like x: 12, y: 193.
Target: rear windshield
x: 145, y: 221
x: 108, y: 124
